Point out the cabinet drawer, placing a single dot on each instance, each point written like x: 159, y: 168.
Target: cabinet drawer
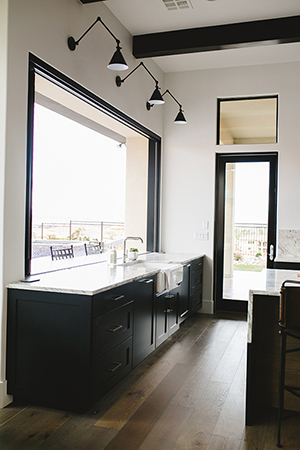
x: 196, y: 277
x: 111, y: 367
x: 195, y: 287
x: 111, y: 329
x: 112, y: 299
x: 197, y: 264
x: 196, y: 298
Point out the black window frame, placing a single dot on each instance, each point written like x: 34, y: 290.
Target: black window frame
x: 230, y: 99
x: 37, y: 66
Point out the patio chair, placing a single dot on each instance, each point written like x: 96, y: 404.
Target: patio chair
x: 92, y: 249
x: 62, y: 253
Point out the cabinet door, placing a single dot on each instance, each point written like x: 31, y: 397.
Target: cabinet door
x: 166, y: 315
x: 162, y: 328
x: 196, y: 284
x: 49, y: 348
x: 184, y: 294
x: 172, y: 310
x: 144, y: 324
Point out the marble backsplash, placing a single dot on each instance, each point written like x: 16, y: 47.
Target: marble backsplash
x: 288, y: 246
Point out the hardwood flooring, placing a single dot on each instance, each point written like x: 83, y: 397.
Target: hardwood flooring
x: 188, y: 395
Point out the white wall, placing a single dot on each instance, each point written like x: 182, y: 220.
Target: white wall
x: 136, y: 201
x: 189, y: 151
x: 42, y: 28
x: 3, y: 87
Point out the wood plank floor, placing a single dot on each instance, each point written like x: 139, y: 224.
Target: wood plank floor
x: 189, y: 394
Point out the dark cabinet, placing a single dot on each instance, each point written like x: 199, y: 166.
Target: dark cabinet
x: 184, y: 301
x: 111, y: 329
x: 67, y: 350
x: 196, y: 284
x: 62, y: 351
x: 144, y: 318
x: 109, y: 369
x: 49, y: 348
x: 166, y: 315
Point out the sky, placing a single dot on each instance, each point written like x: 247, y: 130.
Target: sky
x: 78, y: 174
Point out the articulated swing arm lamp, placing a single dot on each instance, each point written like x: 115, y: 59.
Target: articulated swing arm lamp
x: 156, y: 97
x: 117, y: 62
x: 180, y: 119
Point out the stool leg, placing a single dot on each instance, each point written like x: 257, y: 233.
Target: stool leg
x: 281, y: 384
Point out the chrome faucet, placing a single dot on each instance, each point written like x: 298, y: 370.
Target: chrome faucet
x: 124, y: 245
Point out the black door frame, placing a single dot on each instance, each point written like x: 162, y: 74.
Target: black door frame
x: 221, y: 160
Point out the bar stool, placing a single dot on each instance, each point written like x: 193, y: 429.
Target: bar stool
x: 289, y: 321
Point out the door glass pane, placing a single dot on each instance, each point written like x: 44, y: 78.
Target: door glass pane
x: 245, y: 231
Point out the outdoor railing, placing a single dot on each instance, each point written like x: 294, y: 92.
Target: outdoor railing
x: 250, y: 239
x: 78, y: 231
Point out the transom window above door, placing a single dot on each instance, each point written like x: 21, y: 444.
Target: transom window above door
x: 247, y: 121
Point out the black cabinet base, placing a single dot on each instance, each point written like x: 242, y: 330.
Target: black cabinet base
x: 66, y: 351
x: 69, y: 405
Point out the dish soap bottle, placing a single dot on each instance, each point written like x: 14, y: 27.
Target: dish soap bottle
x: 111, y: 257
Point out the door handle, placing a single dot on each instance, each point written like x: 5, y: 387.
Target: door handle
x: 271, y: 254
x: 115, y: 299
x: 118, y: 327
x: 117, y: 366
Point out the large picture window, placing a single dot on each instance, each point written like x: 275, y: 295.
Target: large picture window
x: 92, y: 174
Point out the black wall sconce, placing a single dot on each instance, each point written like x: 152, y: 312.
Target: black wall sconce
x: 179, y: 119
x: 117, y: 61
x: 156, y: 97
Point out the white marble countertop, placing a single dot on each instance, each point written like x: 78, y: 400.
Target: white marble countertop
x: 273, y: 278
x: 96, y: 276
x: 269, y: 284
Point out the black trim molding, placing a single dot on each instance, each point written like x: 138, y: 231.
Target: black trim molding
x: 91, y: 1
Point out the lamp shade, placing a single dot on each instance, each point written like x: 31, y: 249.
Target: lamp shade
x: 180, y: 119
x: 156, y: 98
x: 117, y: 61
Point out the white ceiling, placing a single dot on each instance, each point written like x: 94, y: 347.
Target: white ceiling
x: 150, y: 16
x: 85, y: 114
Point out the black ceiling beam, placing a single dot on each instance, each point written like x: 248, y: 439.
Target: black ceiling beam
x: 218, y: 37
x: 90, y: 1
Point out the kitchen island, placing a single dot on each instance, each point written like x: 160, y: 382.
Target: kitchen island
x: 263, y: 349
x: 74, y: 333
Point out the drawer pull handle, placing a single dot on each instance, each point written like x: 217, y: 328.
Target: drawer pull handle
x: 118, y: 365
x: 118, y: 327
x: 147, y: 281
x: 168, y: 310
x: 115, y: 299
